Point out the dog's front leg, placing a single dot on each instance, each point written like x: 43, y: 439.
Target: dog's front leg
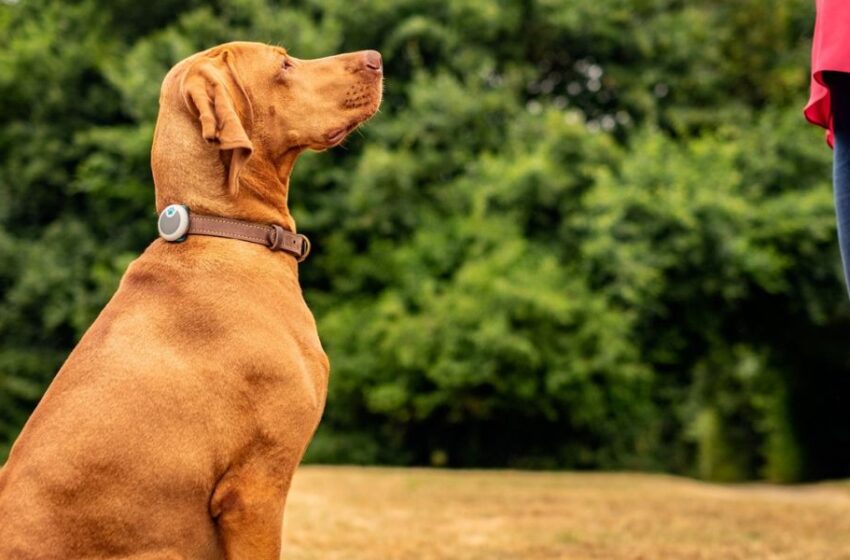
x: 247, y: 505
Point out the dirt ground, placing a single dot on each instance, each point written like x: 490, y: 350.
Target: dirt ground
x: 369, y: 513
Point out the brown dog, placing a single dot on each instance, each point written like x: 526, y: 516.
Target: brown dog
x: 175, y: 426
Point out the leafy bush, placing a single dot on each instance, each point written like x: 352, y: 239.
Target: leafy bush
x: 581, y: 233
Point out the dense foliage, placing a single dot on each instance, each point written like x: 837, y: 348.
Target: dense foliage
x: 580, y: 234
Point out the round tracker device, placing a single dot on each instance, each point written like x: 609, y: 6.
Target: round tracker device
x: 174, y: 222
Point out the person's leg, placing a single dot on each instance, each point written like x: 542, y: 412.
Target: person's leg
x: 839, y: 89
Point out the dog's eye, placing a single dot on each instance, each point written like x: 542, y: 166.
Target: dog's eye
x: 286, y: 64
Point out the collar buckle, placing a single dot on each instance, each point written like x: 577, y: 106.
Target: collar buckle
x: 281, y: 240
x: 305, y: 247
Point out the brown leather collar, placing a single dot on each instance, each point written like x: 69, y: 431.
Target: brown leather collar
x: 272, y: 236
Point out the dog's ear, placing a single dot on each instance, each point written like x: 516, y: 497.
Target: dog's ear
x: 213, y: 92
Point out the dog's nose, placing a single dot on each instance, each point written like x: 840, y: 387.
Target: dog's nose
x: 372, y: 60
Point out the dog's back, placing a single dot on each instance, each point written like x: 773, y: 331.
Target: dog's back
x: 164, y: 393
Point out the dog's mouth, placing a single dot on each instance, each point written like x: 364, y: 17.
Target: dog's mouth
x: 367, y: 105
x: 336, y: 135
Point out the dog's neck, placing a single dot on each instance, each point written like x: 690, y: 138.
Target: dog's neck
x: 188, y: 170
x: 264, y: 188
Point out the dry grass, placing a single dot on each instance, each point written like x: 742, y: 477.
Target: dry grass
x: 386, y: 514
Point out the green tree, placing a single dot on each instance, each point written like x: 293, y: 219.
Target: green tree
x: 581, y: 233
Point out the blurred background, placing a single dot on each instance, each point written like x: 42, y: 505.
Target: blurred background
x: 581, y: 234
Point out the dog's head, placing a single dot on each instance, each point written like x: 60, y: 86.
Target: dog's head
x: 241, y: 112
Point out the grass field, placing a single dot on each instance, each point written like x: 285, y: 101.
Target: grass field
x: 356, y: 513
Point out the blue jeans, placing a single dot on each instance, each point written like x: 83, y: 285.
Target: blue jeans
x: 839, y: 89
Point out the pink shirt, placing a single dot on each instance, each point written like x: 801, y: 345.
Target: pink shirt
x: 830, y: 51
